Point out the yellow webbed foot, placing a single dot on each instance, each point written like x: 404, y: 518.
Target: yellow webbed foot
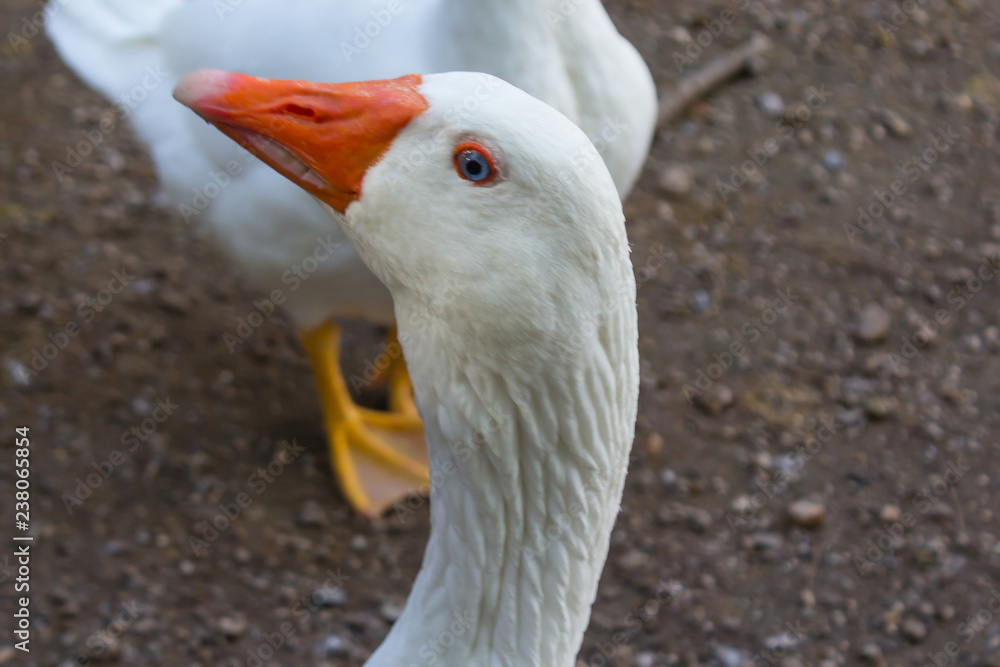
x: 378, y: 457
x: 400, y: 389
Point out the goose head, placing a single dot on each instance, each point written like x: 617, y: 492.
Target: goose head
x: 503, y: 244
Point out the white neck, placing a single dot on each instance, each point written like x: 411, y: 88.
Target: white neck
x: 528, y: 450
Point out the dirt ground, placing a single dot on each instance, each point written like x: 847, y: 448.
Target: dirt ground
x: 828, y: 496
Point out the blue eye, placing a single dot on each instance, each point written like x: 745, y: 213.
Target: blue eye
x: 473, y: 163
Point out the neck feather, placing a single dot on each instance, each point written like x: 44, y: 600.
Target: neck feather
x: 528, y: 458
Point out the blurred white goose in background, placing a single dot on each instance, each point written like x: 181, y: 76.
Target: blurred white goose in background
x: 526, y: 376
x: 567, y: 54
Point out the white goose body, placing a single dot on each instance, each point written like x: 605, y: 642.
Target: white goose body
x: 569, y: 56
x: 515, y: 300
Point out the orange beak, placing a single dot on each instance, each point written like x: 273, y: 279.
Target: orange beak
x: 322, y: 136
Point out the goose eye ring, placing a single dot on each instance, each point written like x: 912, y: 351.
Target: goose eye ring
x: 474, y: 163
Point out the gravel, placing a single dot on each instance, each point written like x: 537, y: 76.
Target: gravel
x: 824, y: 404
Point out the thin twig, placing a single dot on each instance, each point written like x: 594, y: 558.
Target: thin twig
x: 698, y: 84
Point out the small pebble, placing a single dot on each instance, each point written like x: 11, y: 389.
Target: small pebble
x: 390, y: 611
x: 312, y: 515
x: 174, y: 302
x: 699, y: 520
x: 833, y: 160
x: 102, y: 647
x: 873, y: 324
x: 871, y: 652
x: 232, y: 627
x: 880, y: 407
x: 771, y: 104
x: 333, y: 646
x: 806, y: 514
x: 914, y: 630
x: 646, y: 659
x: 895, y: 124
x: 715, y: 400
x: 633, y: 559
x: 856, y: 139
x: 765, y: 542
x: 807, y: 597
x: 729, y: 657
x: 890, y: 514
x: 700, y: 301
x: 676, y: 180
x: 329, y: 596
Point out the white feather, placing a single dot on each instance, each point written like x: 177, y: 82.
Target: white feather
x: 566, y: 53
x: 526, y: 373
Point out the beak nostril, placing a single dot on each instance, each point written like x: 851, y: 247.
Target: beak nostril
x: 321, y: 136
x: 300, y: 111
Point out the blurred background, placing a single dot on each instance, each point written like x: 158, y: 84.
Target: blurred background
x: 816, y: 474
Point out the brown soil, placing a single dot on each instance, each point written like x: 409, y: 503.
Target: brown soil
x: 763, y: 505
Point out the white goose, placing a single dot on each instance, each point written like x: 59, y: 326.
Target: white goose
x: 568, y: 54
x: 526, y: 375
